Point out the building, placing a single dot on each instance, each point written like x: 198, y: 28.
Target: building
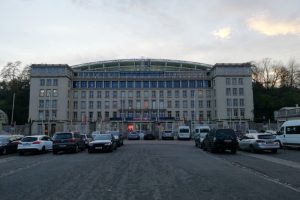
x: 287, y: 113
x: 139, y: 94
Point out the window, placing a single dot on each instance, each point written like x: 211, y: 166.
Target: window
x: 146, y: 104
x: 130, y: 84
x: 91, y: 104
x: 233, y: 81
x: 106, y: 84
x: 106, y: 114
x: 48, y: 93
x: 161, y: 104
x: 153, y: 104
x: 176, y: 84
x: 99, y: 84
x: 91, y: 116
x: 138, y: 104
x: 42, y: 82
x: 75, y: 105
x: 235, y: 102
x: 241, y: 102
x: 83, y: 105
x: 201, y: 115
x: 228, y: 91
x: 83, y: 84
x: 98, y: 104
x: 200, y: 93
x: 138, y: 84
x: 177, y: 105
x: 91, y: 94
x: 54, y: 113
x: 227, y: 81
x: 208, y: 93
x: 177, y: 114
x: 55, y: 92
x: 114, y: 84
x: 130, y: 103
x: 200, y: 104
x: 161, y: 84
x: 208, y: 114
x: 138, y: 94
x: 49, y: 82
x: 115, y: 104
x: 242, y: 112
x: 153, y: 94
x: 169, y: 113
x: 234, y: 91
x: 192, y: 103
x: 193, y: 115
x: 184, y: 93
x: 241, y: 91
x: 98, y: 94
x: 75, y: 116
x: 153, y: 84
x: 54, y: 103
x: 292, y: 130
x: 146, y: 94
x: 192, y: 84
x: 161, y: 94
x: 169, y: 94
x: 83, y: 94
x: 169, y: 104
x: 241, y: 81
x: 169, y: 84
x: 145, y: 84
x: 184, y: 84
x: 184, y: 104
x: 91, y: 84
x: 115, y: 94
x: 130, y: 94
x: 106, y: 104
x: 106, y: 94
x: 122, y: 94
x: 228, y: 102
x: 208, y: 103
x: 229, y: 112
x: 99, y: 115
x: 41, y: 103
x: 192, y: 93
x: 185, y: 114
x: 176, y: 93
x: 235, y: 112
x: 75, y: 94
x: 122, y: 84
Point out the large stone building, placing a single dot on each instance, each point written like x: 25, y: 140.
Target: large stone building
x: 139, y: 94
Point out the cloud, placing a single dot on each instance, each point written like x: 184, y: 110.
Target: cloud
x: 222, y: 33
x: 274, y: 27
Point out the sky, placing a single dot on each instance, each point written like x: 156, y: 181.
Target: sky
x: 207, y: 31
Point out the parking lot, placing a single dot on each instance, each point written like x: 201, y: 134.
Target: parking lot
x: 152, y: 170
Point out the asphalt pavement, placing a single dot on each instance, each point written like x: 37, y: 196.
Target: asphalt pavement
x: 151, y: 170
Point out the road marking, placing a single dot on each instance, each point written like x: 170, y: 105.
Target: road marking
x: 274, y: 160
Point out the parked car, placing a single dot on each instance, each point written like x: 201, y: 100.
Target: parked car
x: 271, y: 132
x: 9, y: 143
x: 133, y: 136
x: 149, y: 136
x: 220, y: 139
x: 289, y: 134
x: 251, y: 131
x: 200, y: 133
x: 36, y: 143
x: 259, y: 142
x: 167, y: 134
x: 86, y: 138
x: 184, y: 132
x: 67, y: 141
x: 103, y: 142
x: 141, y: 134
x: 118, y: 136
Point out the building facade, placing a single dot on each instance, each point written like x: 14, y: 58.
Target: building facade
x: 139, y: 94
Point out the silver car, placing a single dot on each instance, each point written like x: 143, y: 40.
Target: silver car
x: 259, y: 142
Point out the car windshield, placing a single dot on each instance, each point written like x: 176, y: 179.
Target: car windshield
x: 62, y: 136
x: 102, y: 137
x: 252, y: 131
x: 4, y: 139
x: 115, y: 133
x: 29, y: 139
x: 134, y: 133
x: 204, y: 130
x: 266, y: 137
x: 168, y: 131
x: 184, y: 130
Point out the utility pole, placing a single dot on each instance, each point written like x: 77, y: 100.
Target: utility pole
x: 12, y: 110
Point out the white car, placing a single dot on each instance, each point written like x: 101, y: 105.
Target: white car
x: 35, y: 143
x: 259, y: 142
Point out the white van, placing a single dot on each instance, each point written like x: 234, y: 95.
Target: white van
x: 289, y: 134
x: 184, y: 132
x: 200, y: 133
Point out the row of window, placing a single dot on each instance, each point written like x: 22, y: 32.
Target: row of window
x: 138, y: 94
x: 47, y: 103
x: 143, y: 84
x: 138, y: 104
x: 48, y: 82
x: 48, y: 93
x: 47, y: 115
x: 234, y: 81
x: 235, y: 102
x: 234, y: 91
x: 93, y: 116
x: 235, y: 112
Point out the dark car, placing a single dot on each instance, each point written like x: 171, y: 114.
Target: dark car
x: 133, y: 136
x: 118, y: 136
x: 220, y: 140
x: 149, y: 136
x: 103, y: 142
x: 67, y: 141
x: 9, y: 143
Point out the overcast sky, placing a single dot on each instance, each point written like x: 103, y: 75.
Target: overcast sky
x: 208, y: 31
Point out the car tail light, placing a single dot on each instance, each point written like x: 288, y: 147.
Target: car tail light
x: 260, y: 141
x: 36, y: 142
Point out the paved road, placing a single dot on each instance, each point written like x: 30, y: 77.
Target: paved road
x: 151, y: 170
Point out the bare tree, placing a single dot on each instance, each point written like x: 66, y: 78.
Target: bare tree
x: 10, y: 71
x: 293, y: 77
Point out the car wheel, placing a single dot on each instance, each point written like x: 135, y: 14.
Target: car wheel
x: 4, y: 151
x: 274, y: 150
x: 252, y: 150
x: 54, y: 152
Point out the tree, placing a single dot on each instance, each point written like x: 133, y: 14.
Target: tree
x: 11, y: 71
